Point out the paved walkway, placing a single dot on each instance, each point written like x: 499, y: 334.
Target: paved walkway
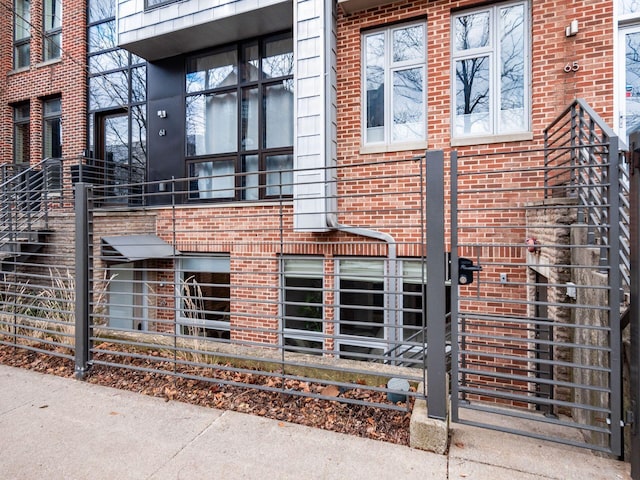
x: 57, y: 428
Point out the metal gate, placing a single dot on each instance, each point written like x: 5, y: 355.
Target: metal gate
x: 538, y: 331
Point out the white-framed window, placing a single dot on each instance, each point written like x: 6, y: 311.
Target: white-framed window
x: 204, y: 295
x: 380, y: 314
x: 628, y: 8
x: 491, y: 71
x: 303, y: 305
x: 394, y: 86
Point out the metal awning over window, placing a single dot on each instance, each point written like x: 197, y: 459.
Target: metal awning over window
x: 131, y: 248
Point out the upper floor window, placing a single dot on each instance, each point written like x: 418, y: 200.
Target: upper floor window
x: 21, y: 33
x: 239, y: 121
x: 491, y: 65
x: 52, y: 128
x: 52, y: 37
x: 394, y: 81
x: 21, y: 134
x: 157, y: 3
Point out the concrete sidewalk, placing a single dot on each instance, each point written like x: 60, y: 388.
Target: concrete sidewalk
x: 58, y: 428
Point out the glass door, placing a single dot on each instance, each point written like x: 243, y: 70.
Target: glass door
x: 113, y: 155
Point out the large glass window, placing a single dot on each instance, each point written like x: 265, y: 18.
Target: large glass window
x: 491, y: 66
x: 117, y: 103
x: 239, y: 120
x: 21, y: 134
x: 21, y: 33
x: 52, y: 38
x: 303, y: 304
x: 52, y: 128
x: 394, y: 85
x: 204, y: 296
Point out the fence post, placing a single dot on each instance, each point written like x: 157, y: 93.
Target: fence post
x: 437, y: 390
x: 634, y: 206
x: 82, y: 244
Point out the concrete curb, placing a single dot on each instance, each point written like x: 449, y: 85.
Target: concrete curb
x: 426, y: 433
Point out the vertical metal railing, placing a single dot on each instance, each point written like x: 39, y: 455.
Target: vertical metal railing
x: 633, y: 418
x: 578, y: 145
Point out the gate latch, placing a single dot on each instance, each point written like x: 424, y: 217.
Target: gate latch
x: 465, y: 271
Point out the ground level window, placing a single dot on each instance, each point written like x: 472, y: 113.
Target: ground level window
x: 303, y: 305
x: 204, y: 291
x: 361, y: 312
x: 127, y: 297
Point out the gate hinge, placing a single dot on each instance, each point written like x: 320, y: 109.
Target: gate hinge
x: 629, y: 419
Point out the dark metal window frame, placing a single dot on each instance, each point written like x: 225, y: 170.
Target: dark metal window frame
x: 20, y: 42
x: 238, y: 157
x: 20, y: 121
x: 150, y: 4
x: 48, y: 117
x: 49, y: 34
x: 101, y: 21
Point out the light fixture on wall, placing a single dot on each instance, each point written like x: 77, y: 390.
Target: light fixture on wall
x: 572, y: 29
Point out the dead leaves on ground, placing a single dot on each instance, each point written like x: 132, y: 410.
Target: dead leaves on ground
x: 246, y: 392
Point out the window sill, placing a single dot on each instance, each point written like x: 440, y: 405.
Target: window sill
x: 19, y: 70
x: 236, y: 203
x: 393, y: 147
x: 486, y: 139
x: 48, y: 62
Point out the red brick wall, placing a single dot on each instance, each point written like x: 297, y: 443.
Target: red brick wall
x: 66, y: 77
x: 552, y: 88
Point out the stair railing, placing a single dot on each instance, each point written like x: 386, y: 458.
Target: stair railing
x: 25, y: 199
x: 580, y: 152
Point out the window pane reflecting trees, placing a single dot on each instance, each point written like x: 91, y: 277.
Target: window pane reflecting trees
x: 491, y: 71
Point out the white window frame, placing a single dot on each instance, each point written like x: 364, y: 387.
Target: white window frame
x: 387, y: 143
x: 307, y: 268
x: 365, y: 269
x: 492, y: 50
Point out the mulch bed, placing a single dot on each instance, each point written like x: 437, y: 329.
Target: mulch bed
x: 367, y: 421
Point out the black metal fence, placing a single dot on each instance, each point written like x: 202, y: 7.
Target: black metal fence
x: 538, y: 336
x: 231, y: 293
x: 153, y: 278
